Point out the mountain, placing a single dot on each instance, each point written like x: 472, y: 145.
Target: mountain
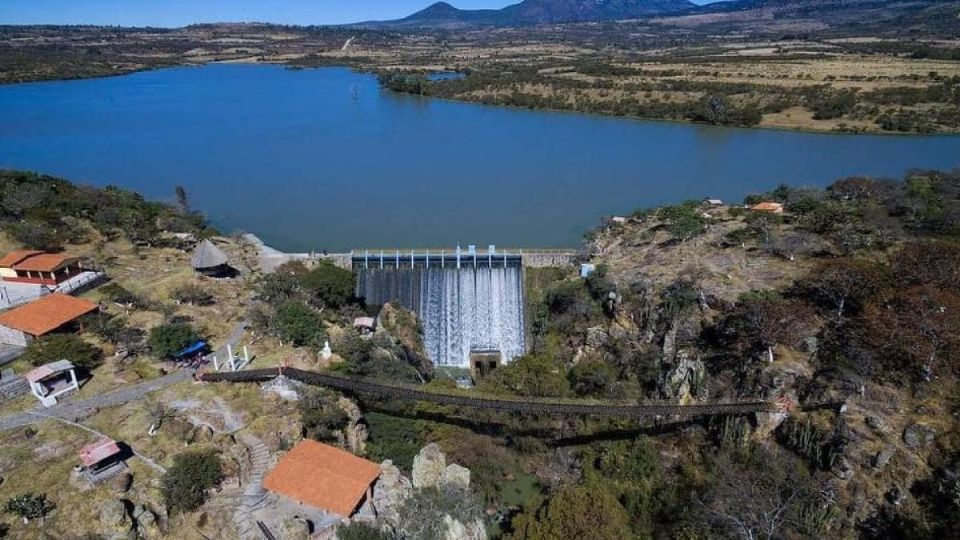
x: 530, y: 12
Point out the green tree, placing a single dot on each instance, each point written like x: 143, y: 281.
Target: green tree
x: 535, y: 375
x: 330, y: 285
x: 167, y: 340
x: 186, y: 484
x: 30, y: 506
x: 322, y: 419
x: 575, y: 512
x: 298, y: 324
x: 55, y: 347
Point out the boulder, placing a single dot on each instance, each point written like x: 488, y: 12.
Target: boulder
x: 684, y: 380
x: 768, y: 422
x: 841, y: 468
x: 148, y: 526
x: 597, y: 337
x: 877, y: 425
x: 283, y: 388
x: 123, y: 482
x: 918, y: 435
x: 115, y: 521
x: 428, y: 466
x: 390, y: 492
x: 456, y: 476
x: 456, y: 530
x: 355, y: 434
x: 294, y: 529
x: 884, y: 456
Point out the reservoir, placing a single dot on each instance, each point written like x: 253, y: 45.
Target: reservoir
x: 324, y: 159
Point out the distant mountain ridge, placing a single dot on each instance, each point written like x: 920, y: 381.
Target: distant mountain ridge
x: 531, y: 12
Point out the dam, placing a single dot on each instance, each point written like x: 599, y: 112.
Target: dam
x: 468, y: 301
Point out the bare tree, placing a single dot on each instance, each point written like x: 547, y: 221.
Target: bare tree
x: 761, y: 495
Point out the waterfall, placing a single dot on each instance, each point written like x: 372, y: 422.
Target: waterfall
x: 462, y: 310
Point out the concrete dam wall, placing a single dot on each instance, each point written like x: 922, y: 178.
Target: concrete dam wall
x: 462, y: 309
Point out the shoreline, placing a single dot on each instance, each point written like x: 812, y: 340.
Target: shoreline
x: 371, y: 70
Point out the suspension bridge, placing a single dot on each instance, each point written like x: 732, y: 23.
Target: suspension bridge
x: 527, y: 406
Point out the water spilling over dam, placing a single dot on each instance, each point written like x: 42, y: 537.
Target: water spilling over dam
x: 468, y: 303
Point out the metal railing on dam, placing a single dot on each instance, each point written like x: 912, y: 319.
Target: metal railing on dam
x: 457, y: 258
x: 528, y: 406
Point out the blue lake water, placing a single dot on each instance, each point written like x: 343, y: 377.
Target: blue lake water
x: 323, y: 159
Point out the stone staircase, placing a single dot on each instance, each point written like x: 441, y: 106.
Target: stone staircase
x: 254, y: 496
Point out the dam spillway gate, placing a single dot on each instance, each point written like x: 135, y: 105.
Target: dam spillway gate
x: 466, y: 300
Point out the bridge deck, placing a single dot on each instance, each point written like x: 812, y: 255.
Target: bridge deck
x: 534, y: 406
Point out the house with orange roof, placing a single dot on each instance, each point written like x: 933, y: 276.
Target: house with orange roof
x: 324, y: 477
x: 769, y: 207
x: 38, y: 267
x: 51, y: 313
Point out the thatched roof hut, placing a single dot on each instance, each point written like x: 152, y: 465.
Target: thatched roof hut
x: 208, y: 258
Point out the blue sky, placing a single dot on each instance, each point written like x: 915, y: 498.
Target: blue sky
x: 183, y: 12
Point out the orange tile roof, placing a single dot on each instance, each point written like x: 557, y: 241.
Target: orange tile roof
x: 14, y: 257
x: 46, y: 314
x: 45, y: 262
x: 323, y: 476
x: 768, y: 207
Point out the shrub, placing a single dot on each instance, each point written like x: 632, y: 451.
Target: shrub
x: 186, y: 483
x: 30, y: 506
x: 298, y: 324
x: 592, y: 378
x: 55, y: 347
x: 191, y: 293
x: 362, y: 531
x: 576, y: 512
x: 167, y: 340
x: 322, y: 419
x: 330, y: 285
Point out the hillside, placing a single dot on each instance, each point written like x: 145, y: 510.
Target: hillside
x: 533, y: 12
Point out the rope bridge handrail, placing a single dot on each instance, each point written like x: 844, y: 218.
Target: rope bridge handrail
x: 528, y: 405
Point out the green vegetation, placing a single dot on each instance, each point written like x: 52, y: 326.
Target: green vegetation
x: 298, y: 324
x: 30, y: 506
x: 186, y: 484
x: 70, y: 347
x: 191, y: 293
x: 322, y: 419
x: 43, y: 212
x: 167, y: 340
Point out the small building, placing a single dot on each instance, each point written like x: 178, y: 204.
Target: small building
x: 101, y: 460
x: 714, y: 202
x: 210, y: 260
x: 50, y: 381
x: 365, y: 325
x: 484, y: 361
x: 51, y: 313
x: 39, y: 268
x: 769, y: 207
x: 324, y: 477
x: 587, y: 269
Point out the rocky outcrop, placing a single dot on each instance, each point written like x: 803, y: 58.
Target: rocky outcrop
x: 355, y: 434
x: 399, y: 505
x: 455, y: 476
x: 916, y: 436
x: 391, y: 491
x: 115, y: 520
x: 405, y: 328
x: 294, y: 529
x: 428, y: 466
x: 456, y: 530
x: 684, y: 380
